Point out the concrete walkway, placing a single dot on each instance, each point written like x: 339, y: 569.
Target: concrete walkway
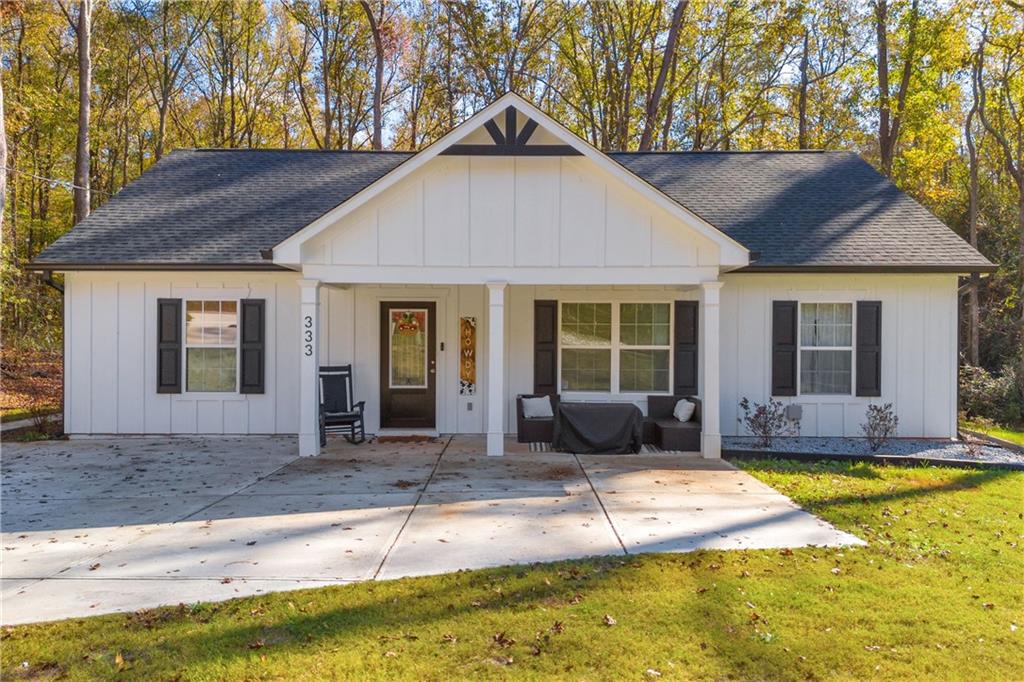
x: 98, y: 526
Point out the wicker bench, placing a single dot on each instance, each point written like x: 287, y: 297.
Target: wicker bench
x: 663, y: 429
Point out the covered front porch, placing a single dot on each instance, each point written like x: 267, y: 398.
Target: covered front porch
x: 507, y: 210
x: 452, y: 359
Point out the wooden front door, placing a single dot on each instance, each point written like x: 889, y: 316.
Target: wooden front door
x: 408, y: 365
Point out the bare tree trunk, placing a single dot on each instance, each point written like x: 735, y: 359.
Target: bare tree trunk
x: 882, y: 66
x: 889, y: 121
x: 378, y: 76
x: 805, y: 83
x: 667, y: 60
x: 84, y: 92
x: 972, y: 221
x: 325, y: 68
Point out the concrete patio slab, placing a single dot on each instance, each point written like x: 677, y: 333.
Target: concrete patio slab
x: 293, y: 537
x: 682, y: 522
x: 96, y: 526
x: 335, y: 474
x: 64, y: 598
x: 453, y: 531
x: 139, y: 467
x: 542, y: 472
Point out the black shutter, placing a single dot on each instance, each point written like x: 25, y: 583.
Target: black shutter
x: 784, y: 347
x: 686, y: 360
x: 253, y: 345
x: 168, y: 345
x: 545, y: 347
x: 869, y: 348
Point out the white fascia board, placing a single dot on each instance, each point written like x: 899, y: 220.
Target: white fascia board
x: 732, y: 253
x: 451, y: 275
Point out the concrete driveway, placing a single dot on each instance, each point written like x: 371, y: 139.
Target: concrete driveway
x: 97, y: 526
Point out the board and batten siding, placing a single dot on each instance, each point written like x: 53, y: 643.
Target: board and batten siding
x: 110, y: 356
x: 511, y: 212
x: 110, y: 349
x: 919, y: 349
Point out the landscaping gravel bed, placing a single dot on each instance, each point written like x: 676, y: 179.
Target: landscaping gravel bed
x: 910, y: 448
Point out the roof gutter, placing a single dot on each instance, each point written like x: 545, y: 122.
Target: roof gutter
x: 177, y: 267
x: 904, y: 269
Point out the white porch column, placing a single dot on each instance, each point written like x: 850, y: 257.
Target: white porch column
x: 496, y: 369
x: 711, y: 429
x: 309, y: 367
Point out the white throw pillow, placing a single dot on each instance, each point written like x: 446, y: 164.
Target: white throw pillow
x: 684, y: 410
x: 537, y: 408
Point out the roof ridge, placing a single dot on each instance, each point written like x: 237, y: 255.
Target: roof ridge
x: 736, y: 151
x: 280, y: 149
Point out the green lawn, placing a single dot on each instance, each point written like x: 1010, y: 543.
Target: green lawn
x: 936, y: 594
x: 1014, y: 435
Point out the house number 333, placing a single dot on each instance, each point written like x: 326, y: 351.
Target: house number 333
x: 307, y: 335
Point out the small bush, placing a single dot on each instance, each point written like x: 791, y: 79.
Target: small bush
x: 767, y: 421
x: 880, y: 426
x: 991, y: 396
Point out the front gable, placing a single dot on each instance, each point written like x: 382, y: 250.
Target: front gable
x: 511, y: 195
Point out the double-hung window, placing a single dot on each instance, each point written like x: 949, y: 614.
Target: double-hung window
x: 616, y: 348
x: 586, y: 343
x: 211, y: 346
x: 644, y: 347
x: 826, y: 348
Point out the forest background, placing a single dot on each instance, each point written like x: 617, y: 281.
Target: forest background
x: 930, y: 92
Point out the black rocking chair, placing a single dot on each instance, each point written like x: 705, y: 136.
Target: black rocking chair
x: 338, y: 414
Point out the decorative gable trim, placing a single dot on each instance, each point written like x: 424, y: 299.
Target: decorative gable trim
x: 511, y: 142
x: 733, y: 254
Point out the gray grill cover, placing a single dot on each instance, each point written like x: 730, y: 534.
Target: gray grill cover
x: 590, y: 428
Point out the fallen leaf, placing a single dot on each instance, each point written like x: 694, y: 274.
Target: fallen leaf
x: 609, y: 621
x: 257, y: 644
x: 558, y: 627
x: 449, y: 638
x: 651, y: 672
x: 94, y: 567
x: 119, y: 660
x: 503, y: 640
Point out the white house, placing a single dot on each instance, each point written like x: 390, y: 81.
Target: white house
x: 203, y: 297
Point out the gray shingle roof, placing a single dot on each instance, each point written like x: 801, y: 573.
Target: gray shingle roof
x: 213, y: 208
x: 807, y: 209
x: 217, y: 207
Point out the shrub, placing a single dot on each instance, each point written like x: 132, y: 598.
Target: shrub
x: 880, y: 425
x: 996, y: 397
x: 767, y: 421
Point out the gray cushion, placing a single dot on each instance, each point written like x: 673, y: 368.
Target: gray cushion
x: 537, y: 408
